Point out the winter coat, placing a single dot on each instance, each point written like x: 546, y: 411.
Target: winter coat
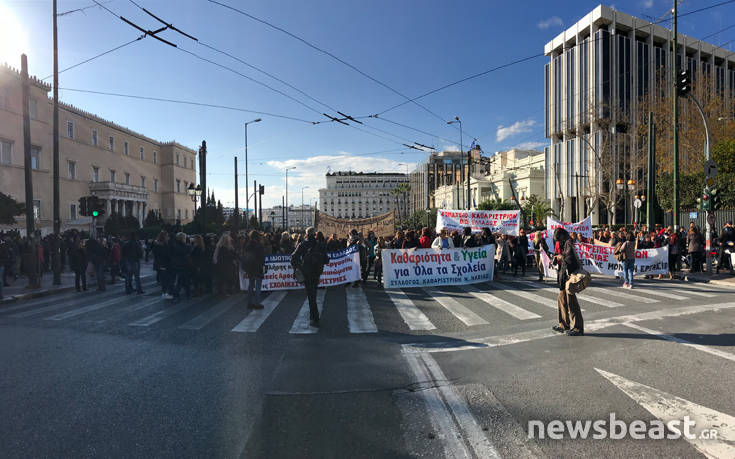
x: 78, y: 260
x: 695, y: 242
x: 253, y: 259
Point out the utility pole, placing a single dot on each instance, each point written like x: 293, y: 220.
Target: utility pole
x: 236, y: 215
x: 56, y: 256
x: 674, y: 70
x: 203, y: 181
x: 260, y: 206
x: 283, y: 212
x: 32, y: 253
x: 651, y: 201
x: 255, y: 199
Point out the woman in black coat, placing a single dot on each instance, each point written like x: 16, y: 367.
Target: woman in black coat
x: 78, y: 263
x: 570, y: 315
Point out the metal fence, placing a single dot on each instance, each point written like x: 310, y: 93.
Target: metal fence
x: 699, y: 218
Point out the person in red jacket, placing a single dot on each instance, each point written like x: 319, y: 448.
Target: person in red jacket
x: 425, y: 239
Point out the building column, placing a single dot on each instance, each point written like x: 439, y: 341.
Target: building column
x: 108, y: 207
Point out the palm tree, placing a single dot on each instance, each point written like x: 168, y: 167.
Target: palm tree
x: 395, y: 192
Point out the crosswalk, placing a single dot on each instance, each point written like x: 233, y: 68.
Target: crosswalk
x: 365, y: 309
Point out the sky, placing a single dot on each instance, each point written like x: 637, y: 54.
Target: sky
x: 410, y: 46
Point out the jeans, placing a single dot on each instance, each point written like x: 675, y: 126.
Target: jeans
x: 254, y: 283
x: 628, y: 270
x: 132, y: 268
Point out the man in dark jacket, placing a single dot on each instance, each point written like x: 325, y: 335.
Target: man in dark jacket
x: 310, y: 258
x: 520, y: 253
x: 727, y: 241
x: 570, y: 315
x: 162, y: 264
x: 181, y: 265
x: 131, y: 252
x: 252, y: 262
x: 468, y: 239
x: 97, y: 254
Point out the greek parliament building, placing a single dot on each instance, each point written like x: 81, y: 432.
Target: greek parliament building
x: 610, y: 60
x: 132, y: 172
x: 361, y: 194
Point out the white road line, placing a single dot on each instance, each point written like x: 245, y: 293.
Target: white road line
x: 674, y: 339
x: 255, y: 319
x: 203, y: 319
x: 86, y: 309
x: 667, y: 407
x: 580, y: 296
x: 411, y: 314
x: 692, y: 292
x: 160, y: 315
x: 301, y: 324
x: 543, y: 301
x: 619, y: 293
x: 502, y: 305
x: 359, y: 317
x: 459, y: 310
x: 654, y: 292
x: 119, y: 312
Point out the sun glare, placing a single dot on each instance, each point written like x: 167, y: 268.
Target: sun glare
x: 13, y: 41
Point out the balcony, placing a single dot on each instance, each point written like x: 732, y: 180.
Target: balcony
x: 112, y: 190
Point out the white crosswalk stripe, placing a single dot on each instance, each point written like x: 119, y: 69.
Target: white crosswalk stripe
x: 692, y: 292
x: 543, y: 301
x: 411, y: 314
x: 255, y: 319
x: 580, y: 296
x: 359, y: 316
x: 459, y: 310
x: 618, y: 293
x: 160, y: 315
x: 216, y: 310
x: 662, y: 294
x: 301, y: 324
x: 502, y: 305
x: 86, y: 309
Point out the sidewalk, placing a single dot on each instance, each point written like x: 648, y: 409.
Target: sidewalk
x: 17, y: 291
x: 724, y: 278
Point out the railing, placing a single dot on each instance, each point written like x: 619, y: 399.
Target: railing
x: 113, y: 186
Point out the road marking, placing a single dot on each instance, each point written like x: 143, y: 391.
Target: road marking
x: 359, y: 317
x: 203, y: 319
x: 160, y: 315
x: 513, y: 310
x: 580, y: 296
x: 132, y: 308
x: 590, y: 326
x: 617, y: 292
x: 255, y: 319
x: 654, y: 292
x: 667, y: 407
x: 301, y: 324
x: 411, y: 314
x: 693, y: 292
x: 674, y: 339
x: 543, y: 301
x: 459, y: 310
x: 86, y: 309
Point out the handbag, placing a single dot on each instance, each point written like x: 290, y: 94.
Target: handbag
x: 579, y: 279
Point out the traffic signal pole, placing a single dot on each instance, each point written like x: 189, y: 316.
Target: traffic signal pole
x: 56, y: 255
x: 708, y: 226
x: 674, y: 70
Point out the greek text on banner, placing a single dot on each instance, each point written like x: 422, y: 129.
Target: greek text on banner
x: 499, y: 221
x: 433, y: 267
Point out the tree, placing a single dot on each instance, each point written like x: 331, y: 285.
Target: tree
x: 536, y: 209
x: 153, y: 219
x: 118, y: 225
x: 724, y: 155
x: 496, y: 204
x: 9, y: 209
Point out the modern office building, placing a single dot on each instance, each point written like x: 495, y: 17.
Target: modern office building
x: 361, y: 194
x: 600, y: 70
x: 132, y: 172
x: 439, y: 169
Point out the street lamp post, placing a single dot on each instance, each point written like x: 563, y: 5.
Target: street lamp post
x: 287, y: 169
x: 302, y: 206
x: 620, y: 185
x: 194, y: 194
x: 247, y: 200
x: 461, y: 150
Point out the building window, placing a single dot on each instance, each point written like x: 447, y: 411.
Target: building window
x: 142, y: 181
x: 178, y: 186
x: 186, y: 185
x: 186, y: 213
x: 73, y: 211
x: 36, y: 209
x: 178, y: 214
x: 113, y: 175
x: 72, y: 169
x: 35, y: 158
x: 6, y: 148
x: 177, y: 159
x: 33, y: 109
x: 126, y: 148
x: 155, y: 185
x: 142, y: 154
x: 94, y: 137
x: 112, y: 143
x: 95, y: 174
x: 70, y: 129
x: 184, y: 162
x: 127, y: 178
x: 155, y: 157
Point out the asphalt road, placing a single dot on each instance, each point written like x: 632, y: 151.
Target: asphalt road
x: 450, y: 372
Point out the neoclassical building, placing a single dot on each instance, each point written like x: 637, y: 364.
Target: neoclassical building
x: 131, y: 172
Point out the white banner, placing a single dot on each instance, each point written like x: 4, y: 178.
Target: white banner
x: 599, y: 259
x: 584, y: 227
x: 499, y: 221
x: 432, y: 267
x: 343, y: 267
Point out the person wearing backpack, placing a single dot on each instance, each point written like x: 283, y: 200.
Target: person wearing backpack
x: 309, y: 258
x: 253, y: 263
x: 570, y: 314
x: 625, y: 253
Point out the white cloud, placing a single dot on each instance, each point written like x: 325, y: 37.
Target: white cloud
x: 531, y: 145
x: 516, y: 128
x: 553, y: 21
x: 647, y: 4
x: 450, y: 148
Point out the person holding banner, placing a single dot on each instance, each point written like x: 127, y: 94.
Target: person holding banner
x: 443, y: 241
x: 540, y: 245
x: 310, y: 258
x: 570, y: 314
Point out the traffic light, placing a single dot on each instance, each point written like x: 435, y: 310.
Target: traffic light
x: 683, y: 83
x: 261, y: 189
x: 83, y: 206
x: 706, y: 204
x: 96, y: 206
x: 714, y: 194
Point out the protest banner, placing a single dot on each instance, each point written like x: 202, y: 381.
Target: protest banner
x: 583, y: 227
x: 599, y: 259
x: 381, y: 225
x: 343, y: 267
x: 499, y: 221
x: 433, y: 267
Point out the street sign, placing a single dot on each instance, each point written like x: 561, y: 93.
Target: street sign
x: 637, y: 203
x: 711, y: 218
x: 710, y: 182
x: 692, y: 215
x: 710, y: 168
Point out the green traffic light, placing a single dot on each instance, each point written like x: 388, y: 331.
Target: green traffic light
x: 95, y: 213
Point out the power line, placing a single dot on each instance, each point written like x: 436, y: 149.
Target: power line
x: 97, y: 56
x: 76, y: 10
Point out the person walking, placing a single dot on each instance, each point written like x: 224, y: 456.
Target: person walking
x: 674, y: 252
x: 310, y: 258
x: 253, y: 263
x: 625, y: 250
x: 539, y: 246
x: 569, y: 313
x: 411, y: 242
x: 356, y: 240
x: 520, y: 253
x: 131, y: 253
x: 4, y: 260
x: 198, y: 264
x: 225, y: 264
x: 379, y: 247
x: 114, y: 260
x: 162, y: 264
x: 502, y: 254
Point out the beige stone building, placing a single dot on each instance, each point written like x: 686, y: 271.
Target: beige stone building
x: 131, y: 172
